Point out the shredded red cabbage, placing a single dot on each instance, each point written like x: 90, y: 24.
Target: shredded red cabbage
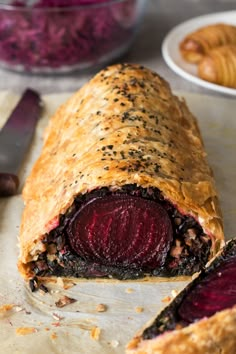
x: 39, y: 38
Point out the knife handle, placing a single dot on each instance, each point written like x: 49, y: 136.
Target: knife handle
x: 9, y: 184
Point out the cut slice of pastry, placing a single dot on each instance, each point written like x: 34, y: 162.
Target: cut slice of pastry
x: 219, y: 66
x: 198, y: 43
x: 201, y: 319
x: 122, y: 187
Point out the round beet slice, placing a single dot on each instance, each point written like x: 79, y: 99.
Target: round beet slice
x: 121, y: 230
x: 214, y: 293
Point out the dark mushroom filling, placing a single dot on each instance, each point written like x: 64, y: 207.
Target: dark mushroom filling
x: 125, y: 234
x: 214, y: 290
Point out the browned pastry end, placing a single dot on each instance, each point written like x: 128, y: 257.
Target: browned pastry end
x: 201, y: 319
x: 219, y: 66
x: 122, y: 188
x: 197, y: 44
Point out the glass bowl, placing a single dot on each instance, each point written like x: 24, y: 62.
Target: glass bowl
x: 53, y: 36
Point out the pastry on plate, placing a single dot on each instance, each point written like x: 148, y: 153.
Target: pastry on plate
x: 219, y: 66
x: 122, y: 188
x: 201, y: 319
x: 198, y: 43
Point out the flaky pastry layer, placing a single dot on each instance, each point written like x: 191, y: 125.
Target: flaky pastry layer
x: 208, y: 336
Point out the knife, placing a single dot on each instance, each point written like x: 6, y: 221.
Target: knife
x: 15, y: 138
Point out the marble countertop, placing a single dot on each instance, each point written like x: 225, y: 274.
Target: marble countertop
x: 160, y: 17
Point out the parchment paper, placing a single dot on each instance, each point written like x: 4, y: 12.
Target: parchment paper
x: 32, y: 323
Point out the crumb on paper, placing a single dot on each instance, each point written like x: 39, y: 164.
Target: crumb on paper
x: 95, y: 333
x: 101, y: 308
x: 115, y: 343
x: 129, y: 290
x: 43, y: 289
x: 33, y: 284
x: 47, y: 329
x: 53, y: 336
x: 64, y: 300
x: 24, y: 331
x: 65, y: 283
x: 166, y: 299
x: 174, y: 293
x: 6, y: 307
x: 56, y: 324
x: 19, y: 308
x: 68, y: 284
x: 57, y: 317
x: 139, y: 309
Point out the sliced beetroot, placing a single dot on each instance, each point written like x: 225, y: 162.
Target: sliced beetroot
x: 214, y: 293
x: 121, y: 230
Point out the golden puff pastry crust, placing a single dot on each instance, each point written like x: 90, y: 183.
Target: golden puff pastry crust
x: 219, y: 66
x: 198, y: 43
x: 209, y: 335
x: 155, y: 140
x: 212, y: 334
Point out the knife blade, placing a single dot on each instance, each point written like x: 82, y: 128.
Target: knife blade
x: 15, y: 138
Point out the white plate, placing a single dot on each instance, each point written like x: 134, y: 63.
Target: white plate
x: 171, y: 53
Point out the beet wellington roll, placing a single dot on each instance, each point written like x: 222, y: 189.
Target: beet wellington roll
x: 122, y: 187
x: 201, y: 319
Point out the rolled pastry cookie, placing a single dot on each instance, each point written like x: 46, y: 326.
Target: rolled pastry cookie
x: 201, y: 319
x: 122, y: 187
x: 198, y: 43
x: 219, y: 66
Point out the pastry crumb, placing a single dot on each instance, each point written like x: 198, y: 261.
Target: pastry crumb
x: 166, y: 299
x: 18, y: 309
x: 115, y: 343
x: 53, y: 336
x: 95, y: 333
x: 129, y: 290
x: 69, y: 285
x: 139, y: 309
x: 101, y: 308
x: 57, y: 317
x: 43, y: 289
x: 174, y: 293
x: 65, y: 284
x: 56, y: 324
x: 6, y: 307
x: 64, y: 300
x: 24, y: 331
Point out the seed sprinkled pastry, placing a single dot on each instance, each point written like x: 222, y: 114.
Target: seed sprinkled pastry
x: 219, y: 66
x: 201, y: 319
x: 198, y: 43
x: 122, y: 188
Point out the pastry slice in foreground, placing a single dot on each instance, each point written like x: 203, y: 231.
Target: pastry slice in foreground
x: 201, y: 319
x: 122, y: 188
x: 198, y: 43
